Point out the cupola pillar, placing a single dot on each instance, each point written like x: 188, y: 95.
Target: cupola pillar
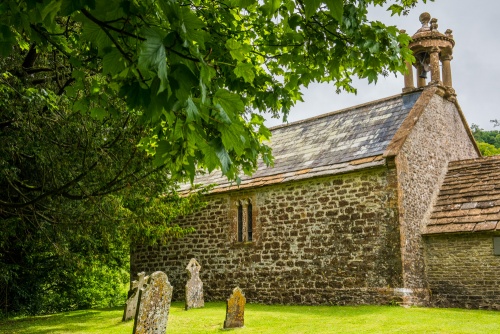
x: 433, y: 53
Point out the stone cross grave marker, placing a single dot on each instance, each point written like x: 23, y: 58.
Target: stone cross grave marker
x: 235, y: 309
x: 131, y: 304
x: 194, y: 286
x: 153, y: 305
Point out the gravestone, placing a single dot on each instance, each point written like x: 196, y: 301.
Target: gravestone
x: 235, y: 309
x: 153, y: 305
x: 131, y: 303
x: 194, y: 286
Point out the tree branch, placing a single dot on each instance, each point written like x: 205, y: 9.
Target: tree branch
x: 103, y: 25
x: 49, y: 193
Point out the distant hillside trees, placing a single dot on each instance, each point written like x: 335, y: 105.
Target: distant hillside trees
x: 488, y: 141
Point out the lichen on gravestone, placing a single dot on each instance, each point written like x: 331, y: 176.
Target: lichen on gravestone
x: 235, y: 309
x: 153, y: 305
x: 131, y: 303
x: 194, y: 286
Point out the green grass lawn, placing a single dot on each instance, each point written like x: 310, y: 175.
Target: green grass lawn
x: 272, y: 319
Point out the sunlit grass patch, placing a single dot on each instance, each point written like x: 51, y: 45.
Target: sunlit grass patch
x: 271, y: 319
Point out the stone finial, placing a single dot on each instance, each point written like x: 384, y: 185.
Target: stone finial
x: 434, y: 25
x: 131, y: 303
x: 428, y: 41
x: 449, y: 33
x: 235, y: 309
x: 194, y: 286
x: 153, y: 305
x: 424, y: 19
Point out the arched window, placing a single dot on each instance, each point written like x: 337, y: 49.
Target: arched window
x: 249, y: 221
x: 244, y: 220
x: 240, y: 222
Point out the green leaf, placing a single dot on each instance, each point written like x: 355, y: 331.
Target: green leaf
x: 246, y: 3
x: 210, y: 159
x: 206, y: 74
x: 179, y: 129
x: 113, y: 62
x: 311, y: 6
x: 7, y: 40
x: 395, y: 9
x: 98, y: 113
x: 153, y: 56
x: 49, y: 10
x: 225, y: 160
x: 93, y: 33
x: 270, y: 7
x: 294, y: 21
x: 238, y: 50
x: 336, y: 9
x: 374, y: 48
x: 192, y: 111
x: 245, y: 71
x: 223, y: 117
x: 230, y: 103
x: 232, y: 139
x: 152, y: 50
x: 163, y: 76
x: 136, y: 96
x: 191, y: 27
x: 81, y: 105
x: 68, y: 7
x: 161, y: 153
x: 185, y: 80
x: 372, y: 75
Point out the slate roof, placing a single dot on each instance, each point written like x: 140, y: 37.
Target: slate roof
x: 469, y: 199
x: 332, y: 143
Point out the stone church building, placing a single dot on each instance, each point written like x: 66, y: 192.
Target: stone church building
x: 385, y: 202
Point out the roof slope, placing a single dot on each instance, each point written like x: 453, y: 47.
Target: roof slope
x: 469, y: 199
x: 328, y: 144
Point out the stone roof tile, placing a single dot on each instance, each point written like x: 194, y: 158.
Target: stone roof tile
x: 324, y: 143
x: 469, y: 199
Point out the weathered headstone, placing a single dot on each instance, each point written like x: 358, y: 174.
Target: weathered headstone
x: 194, y: 286
x: 131, y: 304
x: 153, y: 305
x: 235, y: 309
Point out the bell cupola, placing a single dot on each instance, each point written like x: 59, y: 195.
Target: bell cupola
x: 433, y: 53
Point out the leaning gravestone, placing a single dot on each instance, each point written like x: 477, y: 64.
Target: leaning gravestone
x: 194, y: 286
x: 131, y: 304
x: 235, y: 309
x: 153, y: 305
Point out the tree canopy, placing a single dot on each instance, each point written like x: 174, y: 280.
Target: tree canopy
x: 76, y: 192
x: 487, y: 141
x: 202, y: 73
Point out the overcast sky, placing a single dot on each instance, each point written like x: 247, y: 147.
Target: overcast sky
x: 475, y: 65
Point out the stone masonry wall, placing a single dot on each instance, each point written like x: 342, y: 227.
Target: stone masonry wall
x: 462, y: 270
x: 438, y: 137
x: 329, y: 240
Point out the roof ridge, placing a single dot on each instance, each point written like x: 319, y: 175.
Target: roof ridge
x: 362, y: 105
x: 457, y: 163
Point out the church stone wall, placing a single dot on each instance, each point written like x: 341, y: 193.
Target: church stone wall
x: 463, y: 271
x: 439, y: 136
x: 329, y: 240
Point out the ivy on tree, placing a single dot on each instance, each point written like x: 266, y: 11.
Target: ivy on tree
x: 201, y: 74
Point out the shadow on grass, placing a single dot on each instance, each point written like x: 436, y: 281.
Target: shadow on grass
x: 83, y: 321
